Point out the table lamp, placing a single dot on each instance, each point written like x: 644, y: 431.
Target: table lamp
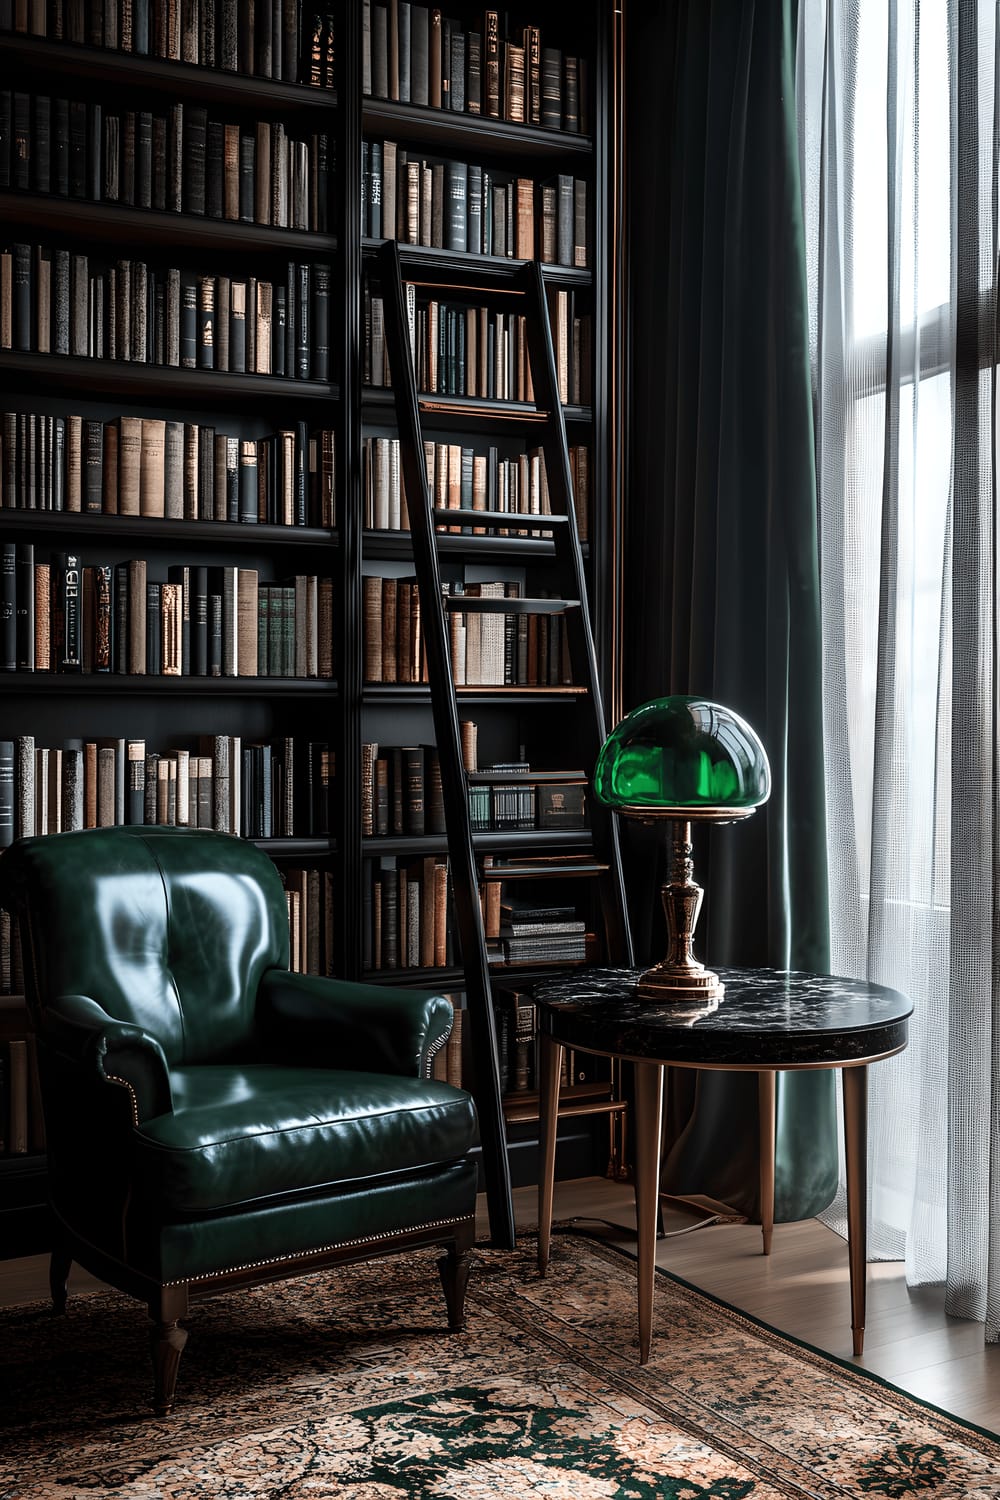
x: 682, y: 760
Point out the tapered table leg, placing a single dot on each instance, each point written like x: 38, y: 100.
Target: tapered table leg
x: 855, y: 1083
x: 549, y: 1069
x: 646, y: 1144
x: 766, y: 1101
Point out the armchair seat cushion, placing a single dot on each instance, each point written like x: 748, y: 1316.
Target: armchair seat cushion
x: 238, y: 1133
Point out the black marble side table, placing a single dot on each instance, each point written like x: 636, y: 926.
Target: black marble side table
x: 768, y: 1020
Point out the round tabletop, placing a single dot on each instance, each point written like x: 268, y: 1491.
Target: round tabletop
x: 767, y: 1018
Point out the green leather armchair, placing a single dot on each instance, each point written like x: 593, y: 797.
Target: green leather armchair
x: 213, y: 1120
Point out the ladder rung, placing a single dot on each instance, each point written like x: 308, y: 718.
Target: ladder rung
x: 473, y: 604
x: 499, y: 518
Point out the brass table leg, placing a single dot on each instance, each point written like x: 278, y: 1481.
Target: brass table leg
x: 549, y: 1068
x: 646, y: 1137
x: 855, y: 1084
x: 766, y: 1103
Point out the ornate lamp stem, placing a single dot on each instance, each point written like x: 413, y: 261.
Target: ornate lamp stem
x: 680, y: 977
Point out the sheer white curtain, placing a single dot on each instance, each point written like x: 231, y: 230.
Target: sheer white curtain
x: 899, y: 131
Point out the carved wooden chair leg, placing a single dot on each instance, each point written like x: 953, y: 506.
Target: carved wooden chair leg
x: 166, y: 1341
x: 454, y: 1270
x: 59, y: 1268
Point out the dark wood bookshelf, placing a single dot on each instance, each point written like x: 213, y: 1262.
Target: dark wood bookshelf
x: 341, y: 711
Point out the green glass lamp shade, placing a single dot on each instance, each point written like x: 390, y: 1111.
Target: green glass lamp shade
x: 682, y: 752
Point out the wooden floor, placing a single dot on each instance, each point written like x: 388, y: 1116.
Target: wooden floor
x: 801, y: 1288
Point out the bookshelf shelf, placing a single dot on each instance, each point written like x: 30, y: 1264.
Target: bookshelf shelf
x: 507, y: 696
x: 457, y: 412
x: 115, y: 224
x: 535, y: 840
x: 397, y: 544
x: 476, y: 134
x: 297, y: 848
x: 216, y: 389
x: 176, y: 534
x: 37, y: 58
x: 463, y: 263
x: 112, y: 684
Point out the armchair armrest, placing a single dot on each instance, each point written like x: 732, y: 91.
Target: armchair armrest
x: 115, y: 1052
x: 367, y: 1027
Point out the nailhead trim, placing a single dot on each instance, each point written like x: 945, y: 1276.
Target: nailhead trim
x: 254, y: 1265
x: 113, y: 1078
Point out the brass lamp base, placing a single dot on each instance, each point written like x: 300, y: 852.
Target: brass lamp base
x: 679, y: 980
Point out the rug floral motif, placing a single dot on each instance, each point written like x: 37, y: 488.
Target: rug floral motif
x: 347, y: 1384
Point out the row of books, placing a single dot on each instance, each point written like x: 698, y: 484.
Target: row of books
x: 489, y: 648
x: 279, y: 789
x: 407, y: 919
x: 459, y: 477
x: 180, y: 161
x: 415, y: 54
x: 475, y: 351
x: 456, y: 205
x: 66, y: 616
x: 309, y: 896
x: 22, y: 1128
x: 511, y: 800
x: 55, y: 302
x: 401, y: 791
x: 178, y: 471
x: 278, y: 39
x: 448, y: 1065
x: 517, y: 1050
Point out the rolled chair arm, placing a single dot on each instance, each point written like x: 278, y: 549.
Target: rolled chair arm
x: 367, y: 1027
x: 80, y: 1030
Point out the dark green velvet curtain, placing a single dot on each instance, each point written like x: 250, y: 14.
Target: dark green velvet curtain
x: 721, y: 579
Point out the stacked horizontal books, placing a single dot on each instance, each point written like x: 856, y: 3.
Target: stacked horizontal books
x: 464, y: 206
x: 540, y: 934
x: 415, y: 54
x: 255, y: 790
x: 66, y: 616
x: 476, y: 352
x: 180, y: 161
x: 175, y: 471
x: 53, y: 301
x: 278, y: 39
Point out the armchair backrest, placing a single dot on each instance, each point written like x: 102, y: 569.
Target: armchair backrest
x: 167, y: 928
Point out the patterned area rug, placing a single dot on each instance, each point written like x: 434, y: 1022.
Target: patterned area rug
x: 345, y: 1384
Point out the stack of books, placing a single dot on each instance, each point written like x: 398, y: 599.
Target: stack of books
x: 541, y: 934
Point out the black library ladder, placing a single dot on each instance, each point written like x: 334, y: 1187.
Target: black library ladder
x: 524, y: 282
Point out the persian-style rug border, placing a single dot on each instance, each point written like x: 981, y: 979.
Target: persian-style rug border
x: 820, y: 1356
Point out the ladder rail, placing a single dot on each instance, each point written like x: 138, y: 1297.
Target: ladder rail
x: 444, y: 705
